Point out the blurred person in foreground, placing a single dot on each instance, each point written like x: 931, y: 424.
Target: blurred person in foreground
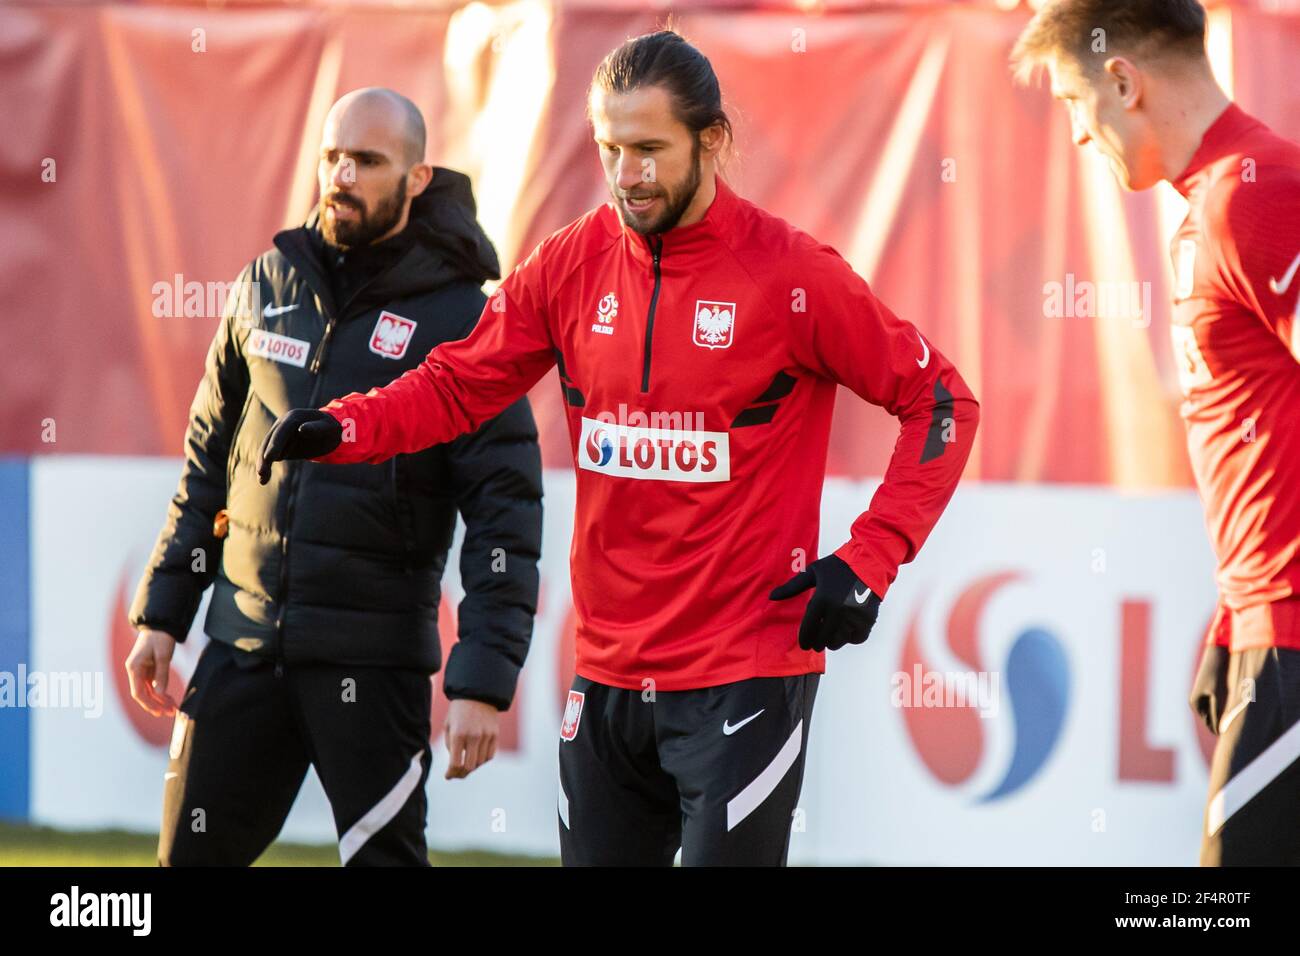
x: 699, y: 341
x: 324, y: 614
x: 1136, y: 80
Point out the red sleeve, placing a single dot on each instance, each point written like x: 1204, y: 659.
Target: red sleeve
x: 849, y: 336
x: 460, y: 384
x: 1220, y: 631
x: 1254, y: 229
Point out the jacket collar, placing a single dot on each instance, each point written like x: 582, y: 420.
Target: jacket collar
x: 1217, y: 142
x: 682, y: 241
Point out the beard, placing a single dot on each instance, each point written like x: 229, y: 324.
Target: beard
x: 369, y: 225
x: 675, y: 200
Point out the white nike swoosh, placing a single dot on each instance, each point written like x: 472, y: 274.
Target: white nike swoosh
x: 1232, y: 714
x: 169, y: 774
x: 271, y: 310
x: 1280, y: 288
x: 862, y: 598
x: 729, y: 729
x: 923, y: 362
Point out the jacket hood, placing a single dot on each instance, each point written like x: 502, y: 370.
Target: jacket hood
x: 443, y: 222
x: 448, y: 244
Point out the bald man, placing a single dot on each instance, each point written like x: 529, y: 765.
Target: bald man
x: 324, y: 612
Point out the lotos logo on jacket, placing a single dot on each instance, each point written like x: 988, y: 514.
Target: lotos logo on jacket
x: 599, y: 447
x: 714, y: 324
x: 391, y: 336
x: 277, y: 348
x: 657, y: 454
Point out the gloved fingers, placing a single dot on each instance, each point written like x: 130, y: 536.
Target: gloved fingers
x: 837, y: 637
x: 272, y: 450
x: 1209, y: 694
x: 847, y: 626
x: 1209, y: 708
x: 1203, y: 707
x: 320, y: 436
x: 796, y: 585
x: 810, y: 628
x: 846, y: 630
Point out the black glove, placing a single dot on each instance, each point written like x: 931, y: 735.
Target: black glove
x: 842, y: 610
x: 298, y: 433
x: 1209, y: 695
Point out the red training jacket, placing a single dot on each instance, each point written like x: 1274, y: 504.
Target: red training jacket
x: 698, y: 369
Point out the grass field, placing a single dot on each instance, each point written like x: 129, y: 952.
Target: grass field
x: 42, y: 846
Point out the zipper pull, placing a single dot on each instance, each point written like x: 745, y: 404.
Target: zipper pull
x: 319, y: 358
x: 324, y: 345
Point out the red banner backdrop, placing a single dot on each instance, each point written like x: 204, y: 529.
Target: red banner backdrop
x: 149, y: 145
